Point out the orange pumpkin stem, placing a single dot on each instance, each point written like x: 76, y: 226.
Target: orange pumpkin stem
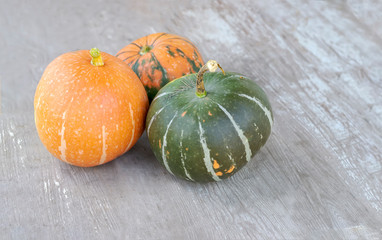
x: 96, y: 57
x: 211, y: 66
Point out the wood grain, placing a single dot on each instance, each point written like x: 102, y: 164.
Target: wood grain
x: 318, y: 177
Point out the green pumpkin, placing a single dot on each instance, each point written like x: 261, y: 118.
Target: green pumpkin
x: 205, y: 127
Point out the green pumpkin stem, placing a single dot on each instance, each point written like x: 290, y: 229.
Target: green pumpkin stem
x: 211, y: 66
x: 145, y: 49
x: 96, y: 57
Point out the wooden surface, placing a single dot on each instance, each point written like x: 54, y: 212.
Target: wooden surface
x: 318, y: 177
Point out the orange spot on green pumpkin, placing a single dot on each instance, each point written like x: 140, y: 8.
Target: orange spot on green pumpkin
x: 219, y: 174
x: 209, y: 113
x: 216, y: 164
x: 160, y: 145
x: 231, y: 169
x: 186, y: 149
x: 184, y: 113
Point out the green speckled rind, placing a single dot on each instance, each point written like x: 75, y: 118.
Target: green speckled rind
x: 211, y: 138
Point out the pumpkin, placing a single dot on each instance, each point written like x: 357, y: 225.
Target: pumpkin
x: 89, y: 108
x: 210, y: 133
x: 160, y: 58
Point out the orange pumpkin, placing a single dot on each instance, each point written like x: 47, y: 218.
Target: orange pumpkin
x: 160, y: 58
x: 89, y: 108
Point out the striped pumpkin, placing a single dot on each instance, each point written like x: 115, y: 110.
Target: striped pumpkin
x: 208, y: 136
x: 160, y: 58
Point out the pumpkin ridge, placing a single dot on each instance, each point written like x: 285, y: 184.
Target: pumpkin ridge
x: 104, y: 146
x: 172, y: 54
x: 174, y: 44
x: 65, y: 114
x: 188, y: 84
x: 132, y: 121
x: 135, y: 68
x: 239, y: 131
x: 183, y: 39
x: 123, y: 52
x: 160, y: 95
x: 165, y: 94
x: 133, y: 43
x: 164, y: 157
x: 132, y: 130
x: 183, y: 158
x: 266, y: 111
x: 130, y: 56
x: 192, y: 63
x: 196, y: 56
x: 153, y: 118
x: 62, y: 147
x: 131, y: 62
x: 207, y: 153
x: 160, y: 110
x: 180, y: 52
x: 203, y: 139
x: 158, y: 38
x: 260, y: 103
x: 159, y: 66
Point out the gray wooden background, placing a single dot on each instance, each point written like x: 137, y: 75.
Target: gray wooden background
x: 318, y: 177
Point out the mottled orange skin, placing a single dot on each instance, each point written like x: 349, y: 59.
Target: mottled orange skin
x: 87, y: 115
x: 170, y: 57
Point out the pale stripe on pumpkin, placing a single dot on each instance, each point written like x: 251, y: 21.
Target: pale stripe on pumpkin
x: 265, y: 109
x: 38, y: 102
x: 182, y: 157
x: 104, y: 147
x: 160, y: 95
x: 62, y: 147
x: 164, y: 157
x: 133, y: 130
x: 152, y: 120
x: 207, y: 156
x: 37, y: 107
x: 243, y: 138
x: 229, y: 154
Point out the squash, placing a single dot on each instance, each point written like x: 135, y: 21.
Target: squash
x: 211, y: 133
x: 160, y: 58
x: 89, y: 108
